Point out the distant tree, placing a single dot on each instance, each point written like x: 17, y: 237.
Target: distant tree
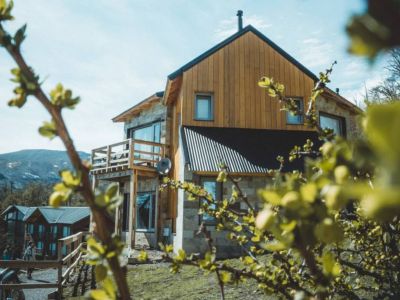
x: 389, y: 89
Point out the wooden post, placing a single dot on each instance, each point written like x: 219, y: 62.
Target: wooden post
x: 118, y: 225
x: 59, y: 273
x: 132, y: 209
x: 130, y: 154
x: 108, y: 157
x: 94, y: 186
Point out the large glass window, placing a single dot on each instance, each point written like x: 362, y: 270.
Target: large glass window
x: 336, y: 123
x: 145, y: 211
x: 150, y: 133
x: 53, y: 249
x: 204, y: 107
x: 292, y: 118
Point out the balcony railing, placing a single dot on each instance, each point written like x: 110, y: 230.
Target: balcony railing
x: 127, y: 154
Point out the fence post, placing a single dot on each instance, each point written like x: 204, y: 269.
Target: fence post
x: 60, y: 265
x: 108, y: 157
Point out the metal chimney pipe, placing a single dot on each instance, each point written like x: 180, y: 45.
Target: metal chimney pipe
x: 240, y: 19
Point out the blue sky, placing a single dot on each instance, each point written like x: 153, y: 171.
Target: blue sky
x: 116, y: 53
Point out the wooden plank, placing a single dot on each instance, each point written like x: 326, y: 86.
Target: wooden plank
x: 72, y: 238
x: 241, y: 84
x: 72, y: 254
x: 19, y: 286
x: 22, y: 264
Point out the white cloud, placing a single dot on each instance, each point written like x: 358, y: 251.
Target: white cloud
x: 316, y: 53
x: 229, y: 26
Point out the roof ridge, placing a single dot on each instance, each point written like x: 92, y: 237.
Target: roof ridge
x: 233, y: 37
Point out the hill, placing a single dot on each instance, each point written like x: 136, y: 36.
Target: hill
x: 35, y: 165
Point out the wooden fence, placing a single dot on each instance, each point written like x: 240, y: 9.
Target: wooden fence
x: 69, y: 255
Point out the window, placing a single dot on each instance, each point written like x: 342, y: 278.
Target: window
x: 53, y: 249
x: 40, y: 230
x: 145, y: 211
x: 53, y: 230
x: 292, y: 118
x: 204, y: 108
x: 66, y: 231
x: 39, y: 246
x: 215, y: 189
x: 336, y: 123
x: 11, y: 215
x: 20, y: 216
x: 30, y: 228
x: 149, y: 133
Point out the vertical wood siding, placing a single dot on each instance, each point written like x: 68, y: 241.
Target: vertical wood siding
x: 231, y: 75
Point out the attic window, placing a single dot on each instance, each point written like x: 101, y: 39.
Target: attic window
x: 204, y: 107
x: 295, y: 119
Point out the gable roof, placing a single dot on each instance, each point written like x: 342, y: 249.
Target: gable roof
x: 122, y: 117
x: 60, y: 215
x: 21, y: 208
x: 243, y: 150
x: 229, y: 40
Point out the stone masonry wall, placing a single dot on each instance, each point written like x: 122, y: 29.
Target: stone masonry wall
x: 156, y: 112
x: 191, y: 220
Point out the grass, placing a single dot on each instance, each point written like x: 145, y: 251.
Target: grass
x: 154, y: 281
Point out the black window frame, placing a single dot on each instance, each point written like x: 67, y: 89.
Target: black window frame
x: 301, y: 115
x: 211, y: 108
x: 342, y: 121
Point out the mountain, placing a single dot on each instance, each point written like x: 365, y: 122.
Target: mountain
x: 26, y: 166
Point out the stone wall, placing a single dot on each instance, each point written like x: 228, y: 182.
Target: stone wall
x: 157, y: 111
x: 193, y: 243
x: 331, y: 107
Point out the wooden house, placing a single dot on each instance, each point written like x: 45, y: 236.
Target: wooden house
x: 211, y: 110
x: 45, y: 225
x: 14, y: 228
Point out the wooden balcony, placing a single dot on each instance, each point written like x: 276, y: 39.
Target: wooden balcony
x: 125, y: 155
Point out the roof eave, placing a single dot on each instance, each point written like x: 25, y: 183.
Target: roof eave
x: 122, y: 117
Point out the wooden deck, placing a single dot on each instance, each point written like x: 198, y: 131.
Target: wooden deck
x: 127, y: 155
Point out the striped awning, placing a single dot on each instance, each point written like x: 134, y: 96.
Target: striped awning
x: 242, y: 150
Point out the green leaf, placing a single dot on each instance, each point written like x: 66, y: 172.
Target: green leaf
x: 48, y: 130
x: 275, y: 246
x: 328, y: 231
x: 100, y: 273
x: 265, y: 219
x: 143, y: 256
x: 69, y: 179
x: 225, y: 277
x: 329, y: 265
x: 98, y: 295
x: 20, y: 36
x: 109, y: 287
x: 382, y: 129
x: 56, y: 199
x: 112, y: 191
x: 309, y: 192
